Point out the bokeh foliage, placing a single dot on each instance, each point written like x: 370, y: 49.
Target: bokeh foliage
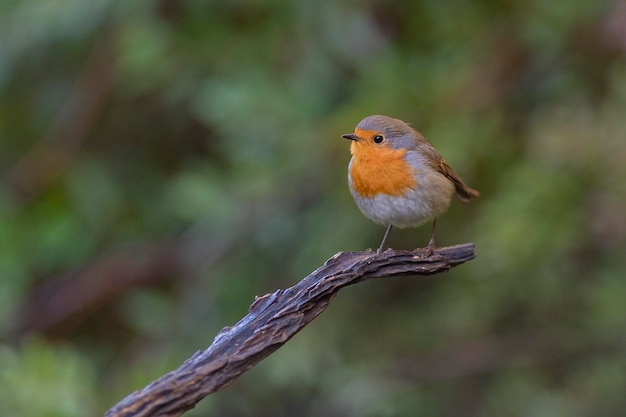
x: 163, y: 162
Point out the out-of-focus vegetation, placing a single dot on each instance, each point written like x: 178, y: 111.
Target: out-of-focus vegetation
x: 163, y: 162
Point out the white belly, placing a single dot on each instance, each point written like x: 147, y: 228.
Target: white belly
x: 415, y: 207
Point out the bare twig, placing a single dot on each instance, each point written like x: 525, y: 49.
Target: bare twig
x: 272, y: 320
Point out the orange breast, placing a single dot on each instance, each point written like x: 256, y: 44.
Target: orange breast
x: 378, y: 169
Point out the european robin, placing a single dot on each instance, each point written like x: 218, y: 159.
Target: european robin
x: 397, y: 177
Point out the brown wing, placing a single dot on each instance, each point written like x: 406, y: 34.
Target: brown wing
x: 463, y: 191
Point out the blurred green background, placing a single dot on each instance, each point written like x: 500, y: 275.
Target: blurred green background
x: 164, y: 161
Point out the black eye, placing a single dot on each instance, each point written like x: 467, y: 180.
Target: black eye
x: 378, y: 139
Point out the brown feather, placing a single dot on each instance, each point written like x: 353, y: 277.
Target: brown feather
x: 463, y: 191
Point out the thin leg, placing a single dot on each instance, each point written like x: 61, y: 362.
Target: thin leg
x: 430, y: 250
x: 380, y: 248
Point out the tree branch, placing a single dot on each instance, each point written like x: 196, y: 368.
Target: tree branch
x: 271, y: 321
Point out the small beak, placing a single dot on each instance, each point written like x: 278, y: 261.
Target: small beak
x: 350, y: 136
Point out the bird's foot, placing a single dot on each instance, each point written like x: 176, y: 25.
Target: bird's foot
x: 429, y: 252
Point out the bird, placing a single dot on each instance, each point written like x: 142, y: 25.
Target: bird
x: 397, y: 177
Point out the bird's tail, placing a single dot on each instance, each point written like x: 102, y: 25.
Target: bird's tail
x: 463, y: 191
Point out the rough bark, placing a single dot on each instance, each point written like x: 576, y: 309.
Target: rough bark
x: 271, y: 321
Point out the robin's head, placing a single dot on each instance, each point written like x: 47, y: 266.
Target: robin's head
x: 382, y: 131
